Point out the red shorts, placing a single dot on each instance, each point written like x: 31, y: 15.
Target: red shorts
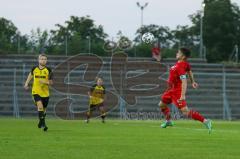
x: 173, y: 96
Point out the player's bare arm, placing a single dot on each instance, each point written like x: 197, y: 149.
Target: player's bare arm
x: 184, y: 89
x: 90, y: 94
x: 29, y: 78
x: 193, y: 82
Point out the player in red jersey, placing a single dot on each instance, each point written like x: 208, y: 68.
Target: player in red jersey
x: 177, y: 89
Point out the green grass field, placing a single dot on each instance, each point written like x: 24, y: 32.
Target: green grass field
x: 21, y: 139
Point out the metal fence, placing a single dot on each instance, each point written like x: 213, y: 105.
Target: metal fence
x: 220, y: 89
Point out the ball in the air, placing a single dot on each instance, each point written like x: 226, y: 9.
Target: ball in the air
x: 148, y: 37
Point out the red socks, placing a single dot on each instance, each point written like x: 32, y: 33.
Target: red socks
x: 195, y: 115
x: 192, y: 114
x: 166, y: 112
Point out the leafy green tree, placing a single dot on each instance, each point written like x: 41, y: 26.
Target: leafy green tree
x: 8, y: 35
x: 220, y: 28
x: 78, y: 34
x: 186, y: 36
x: 38, y: 41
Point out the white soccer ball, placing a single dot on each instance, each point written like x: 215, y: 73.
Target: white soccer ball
x: 148, y: 37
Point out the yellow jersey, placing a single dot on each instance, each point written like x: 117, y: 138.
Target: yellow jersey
x: 41, y: 74
x: 97, y: 94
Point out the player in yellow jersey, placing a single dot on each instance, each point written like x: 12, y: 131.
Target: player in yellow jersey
x: 42, y: 78
x: 96, y: 99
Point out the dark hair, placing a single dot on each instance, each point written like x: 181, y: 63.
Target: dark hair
x: 186, y: 52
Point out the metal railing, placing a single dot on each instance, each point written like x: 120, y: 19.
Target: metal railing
x: 18, y: 76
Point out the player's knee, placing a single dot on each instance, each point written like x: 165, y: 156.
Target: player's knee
x: 162, y: 105
x: 40, y: 108
x: 185, y: 111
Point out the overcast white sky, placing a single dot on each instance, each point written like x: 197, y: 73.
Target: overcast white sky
x: 114, y: 15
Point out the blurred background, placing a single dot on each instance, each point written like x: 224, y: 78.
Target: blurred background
x: 210, y: 28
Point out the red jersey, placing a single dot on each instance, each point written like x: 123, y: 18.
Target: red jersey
x: 179, y: 69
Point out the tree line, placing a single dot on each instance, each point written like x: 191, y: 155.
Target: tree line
x: 220, y: 24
